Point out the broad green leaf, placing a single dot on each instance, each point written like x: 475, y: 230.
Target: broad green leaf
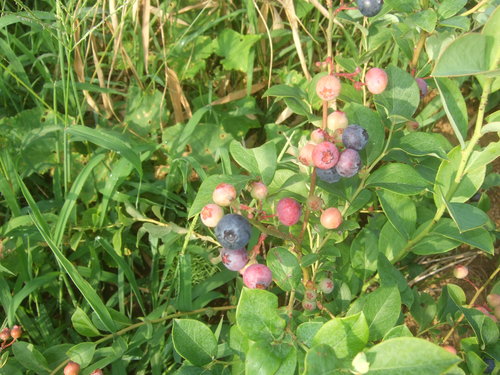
x: 455, y: 107
x: 401, y: 97
x: 207, y: 188
x: 406, y: 6
x: 390, y: 276
x: 479, y: 159
x: 285, y: 268
x: 260, y: 161
x: 347, y: 336
x: 398, y: 178
x: 400, y: 211
x: 382, y: 309
x: 371, y: 121
x: 321, y: 360
x: 306, y: 332
x: 457, y: 22
x: 434, y: 244
x: 237, y: 340
x: 421, y: 144
x: 466, y: 216
x: 451, y: 297
x: 82, y: 353
x: 474, y: 363
x: 288, y: 363
x: 491, y: 31
x: 108, y: 141
x: 398, y: 331
x: 285, y: 91
x: 479, y: 237
x: 30, y: 358
x: 187, y: 131
x: 194, y: 341
x: 263, y: 323
x: 470, y: 63
x: 449, y: 8
x: 259, y: 360
x: 364, y: 253
x: 390, y: 241
x: 423, y: 309
x: 235, y: 48
x: 425, y: 20
x: 82, y: 324
x: 492, y: 127
x: 409, y: 356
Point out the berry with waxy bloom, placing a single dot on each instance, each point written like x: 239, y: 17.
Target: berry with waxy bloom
x: 328, y: 87
x: 326, y: 285
x: 325, y: 155
x: 234, y: 260
x: 493, y: 299
x: 314, y: 203
x: 5, y: 334
x: 370, y: 8
x: 328, y: 175
x: 72, y: 368
x: 257, y: 276
x: 376, y: 80
x: 460, y: 272
x: 309, y: 305
x: 258, y: 191
x: 355, y: 137
x: 224, y: 194
x: 317, y: 136
x: 211, y: 214
x: 288, y: 211
x: 349, y: 163
x: 331, y: 218
x: 310, y: 295
x: 233, y: 231
x: 337, y: 120
x: 305, y: 154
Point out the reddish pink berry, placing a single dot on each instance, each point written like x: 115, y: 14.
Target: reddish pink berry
x: 325, y: 155
x: 305, y: 154
x: 460, y: 272
x: 314, y: 203
x: 450, y: 349
x: 224, y: 194
x: 234, y: 260
x: 5, y: 334
x: 258, y: 191
x: 337, y: 120
x: 257, y: 276
x: 493, y: 299
x: 97, y: 372
x: 288, y: 211
x: 310, y: 295
x: 309, y: 305
x: 328, y: 87
x: 326, y: 285
x: 376, y: 80
x: 72, y: 368
x: 16, y: 332
x: 211, y: 214
x: 317, y: 136
x: 331, y: 218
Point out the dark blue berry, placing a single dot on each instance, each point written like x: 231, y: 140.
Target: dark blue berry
x: 349, y: 163
x: 355, y: 137
x: 370, y: 8
x: 328, y: 175
x: 233, y: 231
x: 491, y: 365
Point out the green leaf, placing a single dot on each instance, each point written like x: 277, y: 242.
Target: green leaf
x: 466, y: 216
x: 30, y: 358
x: 449, y: 8
x: 423, y: 309
x: 371, y: 121
x: 400, y: 211
x: 260, y: 360
x: 425, y: 19
x: 460, y: 49
x: 263, y: 323
x: 492, y: 127
x: 207, y: 188
x: 434, y: 244
x: 491, y: 31
x: 285, y: 268
x: 409, y: 356
x: 479, y: 237
x: 454, y: 106
x: 451, y: 297
x: 194, y: 341
x: 401, y: 97
x: 260, y: 161
x: 382, y: 309
x: 364, y: 253
x: 398, y: 331
x: 390, y: 276
x: 390, y: 241
x: 285, y: 91
x: 235, y: 48
x: 108, y: 141
x: 82, y: 353
x: 187, y: 131
x: 82, y: 324
x: 347, y: 336
x: 321, y: 360
x: 306, y: 332
x: 398, y: 178
x: 479, y: 159
x: 421, y: 144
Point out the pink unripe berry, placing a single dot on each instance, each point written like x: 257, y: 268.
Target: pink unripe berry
x: 450, y: 349
x: 331, y: 218
x: 4, y: 334
x: 288, y: 211
x: 97, y: 372
x: 493, y: 299
x: 310, y: 295
x: 325, y: 155
x: 16, y: 332
x: 337, y: 120
x: 328, y: 87
x: 72, y: 368
x: 211, y: 214
x: 234, y: 260
x: 317, y: 136
x: 314, y: 203
x: 376, y: 80
x: 309, y: 305
x: 460, y: 272
x: 305, y: 154
x: 224, y: 194
x: 257, y: 276
x: 258, y: 191
x: 326, y: 285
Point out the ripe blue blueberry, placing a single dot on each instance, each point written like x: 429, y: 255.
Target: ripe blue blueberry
x: 355, y: 137
x: 233, y: 231
x: 328, y: 175
x: 491, y: 365
x: 370, y: 8
x: 349, y: 163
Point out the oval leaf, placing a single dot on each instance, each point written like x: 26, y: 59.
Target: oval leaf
x: 194, y: 341
x: 285, y: 268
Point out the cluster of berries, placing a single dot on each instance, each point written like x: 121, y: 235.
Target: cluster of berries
x: 6, y: 334
x: 310, y: 301
x: 73, y: 368
x: 233, y: 232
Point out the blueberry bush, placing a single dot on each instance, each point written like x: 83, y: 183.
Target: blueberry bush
x: 272, y: 188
